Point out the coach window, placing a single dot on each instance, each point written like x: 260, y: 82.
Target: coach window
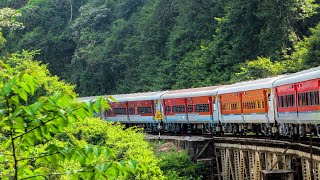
x: 308, y: 98
x: 108, y: 112
x: 262, y: 104
x: 299, y: 99
x: 281, y: 102
x: 131, y: 110
x: 259, y: 103
x: 120, y: 111
x: 235, y: 106
x: 205, y: 107
x: 189, y: 108
x: 175, y: 109
x: 144, y: 110
x: 198, y: 108
x: 168, y: 109
x: 316, y: 96
x: 285, y: 101
x: 303, y: 99
x: 290, y: 100
x: 224, y: 106
x: 202, y: 108
x: 178, y: 108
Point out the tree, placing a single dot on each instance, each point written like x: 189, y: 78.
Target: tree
x: 153, y: 45
x: 26, y: 124
x: 308, y: 51
x: 7, y: 20
x: 178, y: 165
x: 126, y: 143
x: 49, y: 84
x: 260, y: 68
x: 306, y: 55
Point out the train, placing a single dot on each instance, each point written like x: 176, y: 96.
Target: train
x: 285, y: 105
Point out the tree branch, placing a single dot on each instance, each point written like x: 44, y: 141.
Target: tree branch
x: 6, y: 154
x: 34, y: 128
x: 12, y: 142
x: 41, y: 125
x: 71, y: 10
x: 14, y: 156
x: 59, y: 174
x: 38, y: 157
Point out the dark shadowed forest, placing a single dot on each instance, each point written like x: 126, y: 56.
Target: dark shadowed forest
x: 123, y: 46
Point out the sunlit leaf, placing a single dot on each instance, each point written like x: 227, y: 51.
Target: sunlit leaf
x: 7, y: 88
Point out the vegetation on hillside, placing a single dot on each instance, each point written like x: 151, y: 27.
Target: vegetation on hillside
x: 122, y: 46
x: 28, y: 125
x: 126, y: 144
x: 176, y: 163
x: 45, y: 133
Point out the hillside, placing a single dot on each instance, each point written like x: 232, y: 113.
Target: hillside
x: 122, y: 46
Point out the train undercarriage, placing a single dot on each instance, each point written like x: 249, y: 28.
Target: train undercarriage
x: 236, y: 129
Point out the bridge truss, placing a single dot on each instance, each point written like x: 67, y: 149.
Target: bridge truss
x: 245, y: 159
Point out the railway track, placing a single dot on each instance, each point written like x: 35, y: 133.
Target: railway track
x: 307, y: 145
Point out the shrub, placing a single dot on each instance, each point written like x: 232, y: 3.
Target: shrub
x: 126, y: 143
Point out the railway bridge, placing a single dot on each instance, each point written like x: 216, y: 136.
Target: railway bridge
x: 252, y: 158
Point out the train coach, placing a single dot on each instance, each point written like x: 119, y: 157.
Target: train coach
x: 287, y: 105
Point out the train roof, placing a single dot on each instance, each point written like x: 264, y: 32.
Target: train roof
x: 313, y: 73
x: 249, y: 85
x: 139, y: 96
x: 192, y: 92
x: 87, y: 99
x: 129, y: 97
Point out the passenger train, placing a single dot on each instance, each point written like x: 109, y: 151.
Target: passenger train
x: 286, y: 105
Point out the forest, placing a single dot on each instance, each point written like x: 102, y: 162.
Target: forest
x: 52, y: 51
x: 125, y: 46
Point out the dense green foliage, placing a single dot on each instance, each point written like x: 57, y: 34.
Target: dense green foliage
x: 28, y: 127
x: 126, y: 143
x: 119, y: 46
x: 178, y: 165
x: 49, y: 84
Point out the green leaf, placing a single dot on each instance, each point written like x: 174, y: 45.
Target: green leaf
x: 52, y: 148
x: 7, y: 88
x: 28, y: 110
x: 23, y: 95
x: 15, y: 100
x: 31, y: 83
x: 132, y: 164
x: 96, y: 151
x: 113, y: 171
x: 88, y: 149
x: 7, y: 144
x: 112, y: 98
x: 107, y: 152
x: 25, y: 87
x: 30, y: 139
x: 10, y: 70
x: 38, y: 133
x: 45, y: 133
x: 17, y: 112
